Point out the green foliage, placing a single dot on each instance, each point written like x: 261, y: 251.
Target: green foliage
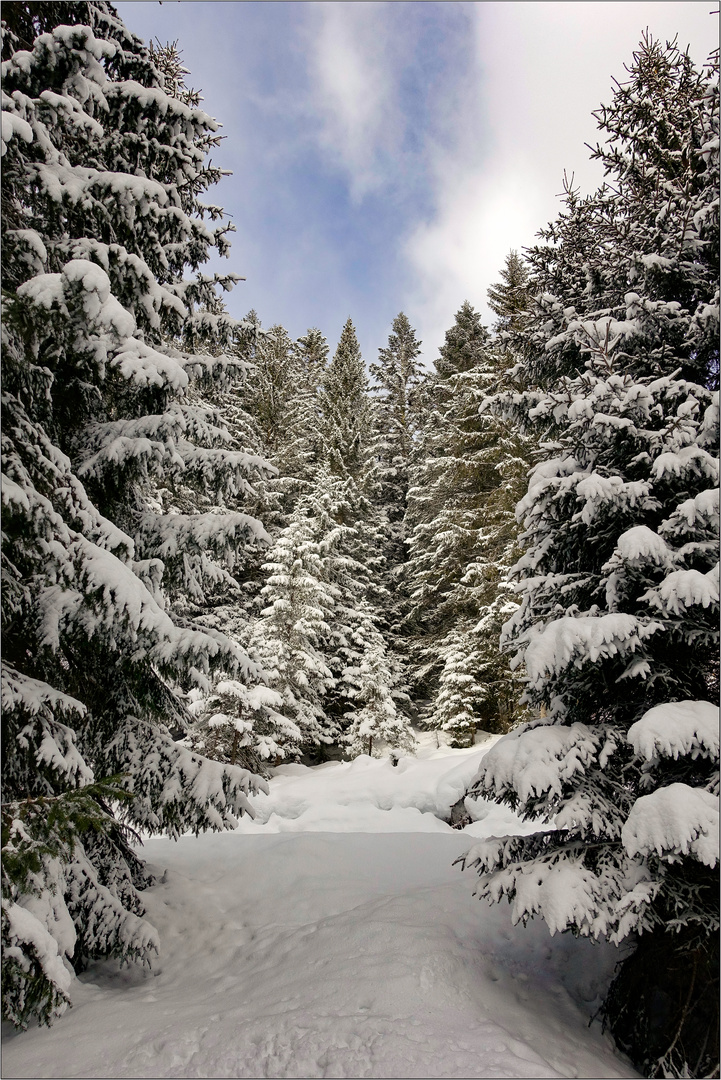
x: 471, y: 472
x: 108, y: 454
x: 39, y: 835
x: 509, y: 298
x: 34, y: 830
x: 398, y: 418
x: 618, y: 582
x: 346, y: 419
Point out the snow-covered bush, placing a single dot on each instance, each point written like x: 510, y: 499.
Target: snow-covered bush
x: 103, y: 170
x: 618, y: 621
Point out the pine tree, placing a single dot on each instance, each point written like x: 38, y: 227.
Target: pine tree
x: 346, y: 412
x: 509, y: 299
x: 310, y: 358
x: 460, y: 694
x: 397, y: 375
x: 269, y: 397
x: 241, y: 725
x: 102, y: 217
x: 318, y: 638
x: 374, y: 676
x: 282, y: 397
x: 462, y: 503
x: 444, y: 508
x: 397, y: 420
x: 312, y: 354
x: 618, y: 623
x: 351, y: 449
x: 345, y: 538
x: 290, y: 636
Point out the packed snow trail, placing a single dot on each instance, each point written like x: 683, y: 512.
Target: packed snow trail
x: 316, y: 949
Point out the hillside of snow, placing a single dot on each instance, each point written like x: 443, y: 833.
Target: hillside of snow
x: 333, y: 937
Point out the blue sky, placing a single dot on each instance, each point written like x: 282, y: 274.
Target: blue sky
x: 387, y: 156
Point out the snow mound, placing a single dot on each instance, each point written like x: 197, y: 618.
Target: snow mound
x: 373, y: 795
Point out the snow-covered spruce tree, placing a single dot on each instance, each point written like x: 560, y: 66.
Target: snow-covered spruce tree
x: 509, y: 298
x: 312, y: 350
x: 618, y: 623
x: 347, y: 413
x: 281, y: 395
x: 460, y: 548
x: 241, y: 725
x: 437, y: 523
x: 373, y: 677
x: 202, y: 521
x: 317, y: 637
x: 274, y: 411
x: 347, y: 500
x: 291, y: 632
x: 269, y: 399
x: 311, y: 357
x: 101, y: 183
x: 396, y: 376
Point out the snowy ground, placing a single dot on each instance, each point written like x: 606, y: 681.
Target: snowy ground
x: 333, y: 937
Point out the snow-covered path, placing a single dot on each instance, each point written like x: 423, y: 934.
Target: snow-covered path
x: 317, y: 952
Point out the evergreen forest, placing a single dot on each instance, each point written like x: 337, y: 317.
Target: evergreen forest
x: 225, y: 549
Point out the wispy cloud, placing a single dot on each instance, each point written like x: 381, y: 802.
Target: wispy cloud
x: 537, y: 72
x: 388, y: 156
x: 354, y: 91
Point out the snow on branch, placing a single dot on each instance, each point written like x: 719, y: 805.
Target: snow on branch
x: 168, y: 535
x: 684, y: 589
x: 583, y: 640
x: 537, y: 761
x: 175, y: 789
x: 676, y: 729
x: 33, y: 696
x: 674, y: 820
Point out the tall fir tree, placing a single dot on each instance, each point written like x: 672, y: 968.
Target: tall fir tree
x: 290, y: 636
x: 374, y: 681
x: 103, y: 175
x: 443, y: 498
x: 397, y: 375
x: 269, y: 398
x: 318, y: 637
x: 312, y: 354
x: 349, y: 450
x: 462, y: 504
x: 618, y: 622
x: 346, y: 412
x: 509, y: 298
x: 282, y: 397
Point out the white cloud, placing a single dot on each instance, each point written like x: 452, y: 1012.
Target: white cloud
x: 457, y: 255
x: 522, y: 119
x: 353, y: 91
